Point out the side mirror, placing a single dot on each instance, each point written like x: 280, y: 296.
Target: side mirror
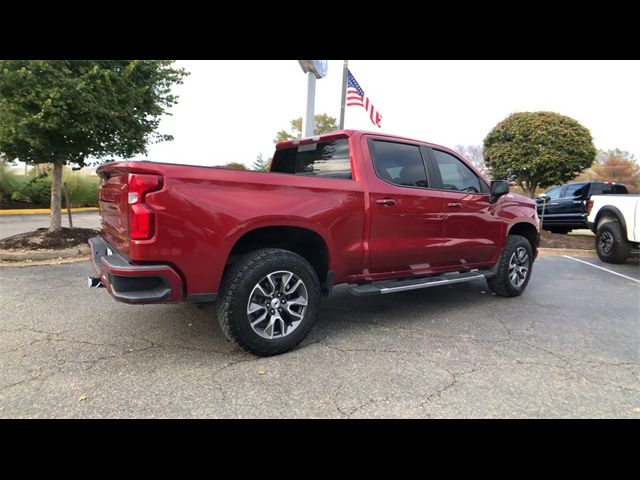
x: 498, y: 188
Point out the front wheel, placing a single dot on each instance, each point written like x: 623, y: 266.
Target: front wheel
x: 269, y: 301
x: 514, y: 268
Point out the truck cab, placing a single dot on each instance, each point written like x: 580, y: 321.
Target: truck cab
x: 565, y: 206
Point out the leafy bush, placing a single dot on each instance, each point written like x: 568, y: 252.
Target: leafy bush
x: 83, y: 190
x: 9, y: 181
x: 36, y: 190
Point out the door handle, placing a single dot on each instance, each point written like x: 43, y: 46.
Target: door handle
x: 454, y: 205
x: 553, y: 203
x: 387, y: 202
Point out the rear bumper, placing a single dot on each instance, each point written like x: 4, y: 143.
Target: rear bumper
x: 134, y: 283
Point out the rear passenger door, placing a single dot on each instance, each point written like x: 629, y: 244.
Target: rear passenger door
x: 472, y: 234
x: 571, y: 206
x: 406, y: 216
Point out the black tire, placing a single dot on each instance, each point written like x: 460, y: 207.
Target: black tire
x: 611, y: 245
x: 238, y: 284
x: 501, y: 284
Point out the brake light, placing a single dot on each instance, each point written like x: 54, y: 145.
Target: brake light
x: 141, y: 216
x: 589, y: 207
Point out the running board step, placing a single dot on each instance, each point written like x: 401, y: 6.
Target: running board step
x: 392, y: 286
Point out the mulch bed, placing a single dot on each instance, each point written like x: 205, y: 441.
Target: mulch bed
x: 557, y: 240
x: 41, y: 239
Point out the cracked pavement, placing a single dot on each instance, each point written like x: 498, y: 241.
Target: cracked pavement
x: 569, y: 347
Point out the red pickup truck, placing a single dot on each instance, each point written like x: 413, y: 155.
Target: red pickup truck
x: 381, y: 212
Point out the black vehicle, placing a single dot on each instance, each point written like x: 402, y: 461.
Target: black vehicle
x: 566, y: 205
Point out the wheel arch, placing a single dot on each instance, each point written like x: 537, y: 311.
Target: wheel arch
x: 527, y: 230
x: 613, y: 213
x: 301, y: 239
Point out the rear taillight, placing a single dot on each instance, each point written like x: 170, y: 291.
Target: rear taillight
x: 141, y: 216
x: 589, y: 206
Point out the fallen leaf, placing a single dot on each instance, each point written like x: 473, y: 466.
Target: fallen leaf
x: 82, y: 398
x: 262, y: 372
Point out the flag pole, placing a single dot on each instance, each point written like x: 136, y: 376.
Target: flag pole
x: 345, y: 69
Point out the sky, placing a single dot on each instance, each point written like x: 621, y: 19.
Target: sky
x: 230, y: 111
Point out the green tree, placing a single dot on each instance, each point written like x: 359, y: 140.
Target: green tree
x: 260, y: 164
x: 538, y: 149
x: 61, y: 112
x: 323, y: 123
x: 235, y: 166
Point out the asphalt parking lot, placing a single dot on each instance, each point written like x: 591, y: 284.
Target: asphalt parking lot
x: 569, y: 347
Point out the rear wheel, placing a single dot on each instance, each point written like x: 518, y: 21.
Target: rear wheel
x: 611, y: 245
x: 269, y: 301
x: 514, y: 268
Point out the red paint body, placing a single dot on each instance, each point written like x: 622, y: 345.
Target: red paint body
x: 201, y: 212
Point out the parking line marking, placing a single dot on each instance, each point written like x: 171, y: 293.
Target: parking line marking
x: 602, y: 268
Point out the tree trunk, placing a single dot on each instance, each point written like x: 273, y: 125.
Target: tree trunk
x: 56, y: 197
x: 530, y: 189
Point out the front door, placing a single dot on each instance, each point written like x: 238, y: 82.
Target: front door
x: 472, y: 233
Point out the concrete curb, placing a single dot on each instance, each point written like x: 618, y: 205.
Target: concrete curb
x: 44, y: 211
x: 39, y: 263
x: 33, y: 255
x: 547, y: 252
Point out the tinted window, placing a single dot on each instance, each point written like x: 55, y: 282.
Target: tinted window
x: 322, y: 159
x: 620, y: 189
x: 399, y: 163
x: 455, y: 174
x: 575, y: 190
x: 554, y: 193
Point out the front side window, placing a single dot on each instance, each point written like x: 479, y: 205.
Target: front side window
x: 323, y: 159
x: 399, y: 163
x: 554, y: 193
x: 455, y: 174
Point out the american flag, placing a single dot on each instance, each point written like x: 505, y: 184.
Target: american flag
x: 356, y: 97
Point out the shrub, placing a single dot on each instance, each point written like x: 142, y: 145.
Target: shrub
x: 83, y: 189
x: 9, y: 181
x: 36, y: 190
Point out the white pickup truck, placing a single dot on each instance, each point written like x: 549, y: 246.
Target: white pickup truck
x: 615, y: 219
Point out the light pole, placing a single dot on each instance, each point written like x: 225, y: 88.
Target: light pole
x: 314, y: 69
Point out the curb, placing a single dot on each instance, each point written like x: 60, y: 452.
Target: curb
x: 34, y: 255
x: 39, y: 263
x: 548, y: 252
x: 41, y: 211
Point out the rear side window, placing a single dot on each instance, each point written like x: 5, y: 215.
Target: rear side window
x: 620, y: 189
x: 399, y: 163
x: 575, y: 190
x: 323, y: 159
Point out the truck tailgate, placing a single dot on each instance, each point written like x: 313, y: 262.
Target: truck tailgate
x: 113, y: 208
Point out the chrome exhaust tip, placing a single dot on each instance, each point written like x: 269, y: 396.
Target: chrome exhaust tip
x: 94, y: 282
